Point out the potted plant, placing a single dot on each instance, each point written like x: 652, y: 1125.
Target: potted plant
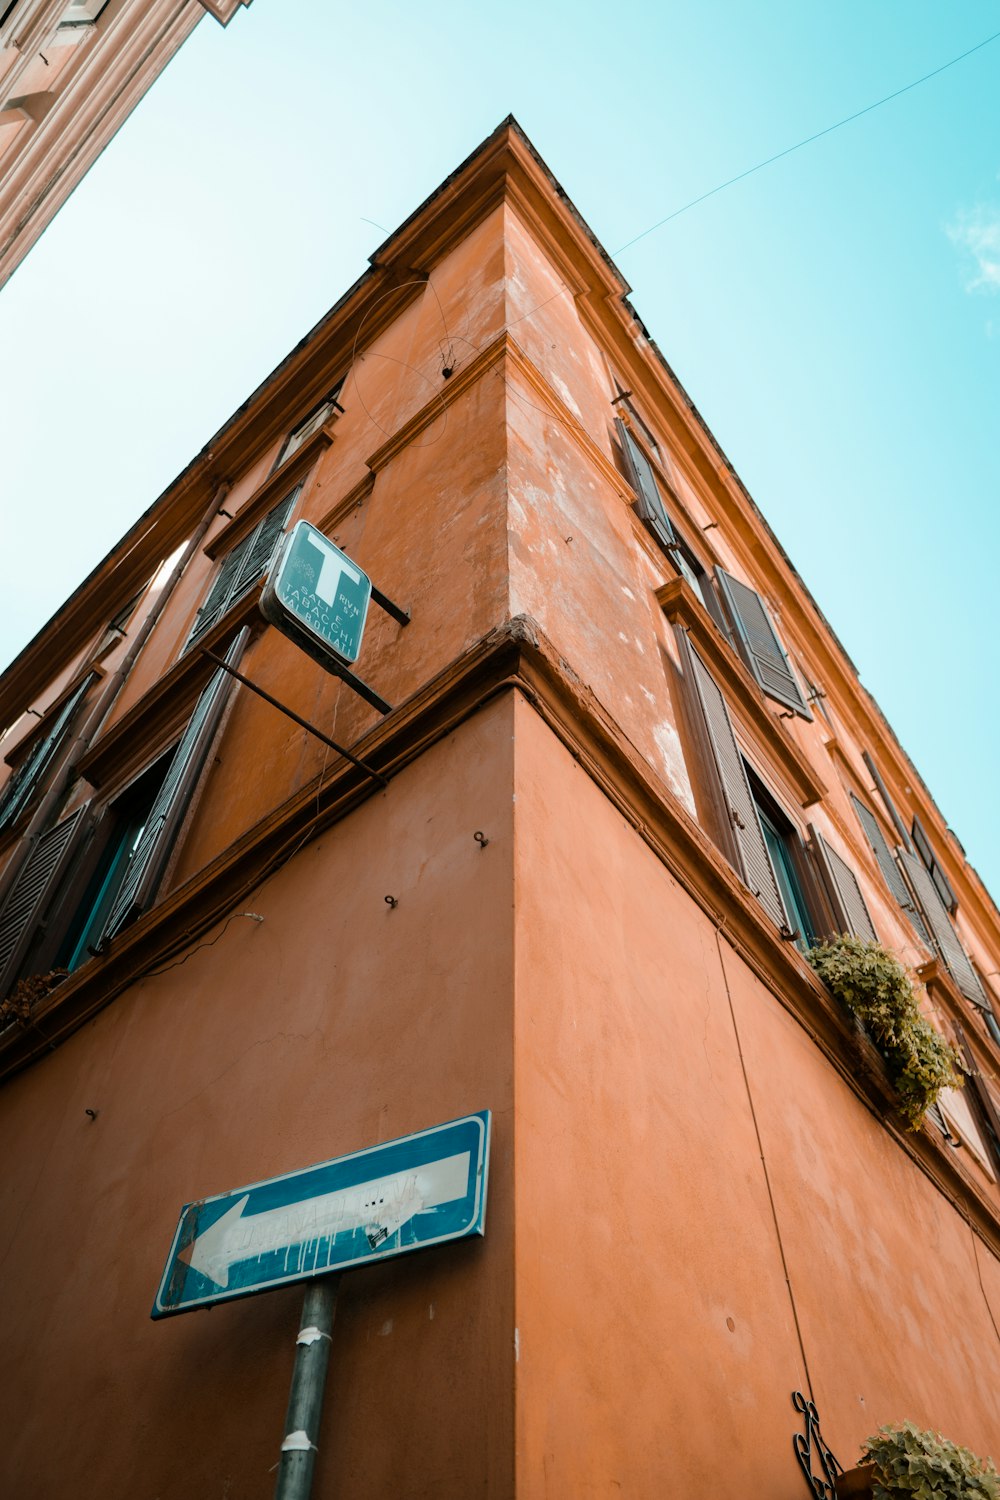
x: 874, y: 985
x: 899, y: 1462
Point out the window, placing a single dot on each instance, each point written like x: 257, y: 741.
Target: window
x: 124, y: 825
x: 624, y: 400
x: 90, y: 875
x: 241, y: 568
x: 30, y: 774
x: 936, y: 917
x: 926, y: 851
x: 890, y: 869
x: 760, y: 644
x: 743, y: 838
x: 784, y: 849
x: 917, y: 893
x: 652, y: 509
x: 316, y: 419
x: 806, y: 891
x: 643, y: 480
x: 842, y: 890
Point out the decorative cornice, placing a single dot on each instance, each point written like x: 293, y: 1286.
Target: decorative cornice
x: 682, y: 607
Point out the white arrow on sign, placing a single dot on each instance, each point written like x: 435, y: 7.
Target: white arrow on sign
x: 379, y: 1207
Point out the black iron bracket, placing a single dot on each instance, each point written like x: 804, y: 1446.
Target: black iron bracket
x: 810, y: 1449
x: 298, y: 719
x: 382, y: 600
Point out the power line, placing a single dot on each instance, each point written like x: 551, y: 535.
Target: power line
x: 808, y: 141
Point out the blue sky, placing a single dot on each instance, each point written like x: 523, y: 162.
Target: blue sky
x: 835, y: 317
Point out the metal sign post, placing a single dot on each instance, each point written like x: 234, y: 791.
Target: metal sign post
x: 389, y: 1200
x: 408, y: 1194
x: 305, y: 1401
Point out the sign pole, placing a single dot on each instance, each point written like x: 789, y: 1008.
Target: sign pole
x: 305, y: 1401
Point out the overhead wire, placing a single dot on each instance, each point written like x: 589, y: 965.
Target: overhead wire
x: 770, y: 160
x: 806, y: 141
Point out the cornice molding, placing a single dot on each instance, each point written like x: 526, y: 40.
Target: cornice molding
x: 683, y: 608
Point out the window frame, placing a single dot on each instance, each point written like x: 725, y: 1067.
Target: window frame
x: 796, y: 887
x: 242, y: 567
x: 761, y: 662
x: 39, y: 752
x: 57, y: 879
x: 311, y: 423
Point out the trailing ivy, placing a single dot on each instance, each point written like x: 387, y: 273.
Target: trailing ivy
x: 874, y: 985
x: 914, y: 1465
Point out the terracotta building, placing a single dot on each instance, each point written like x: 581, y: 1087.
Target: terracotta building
x: 627, y: 775
x: 71, y: 71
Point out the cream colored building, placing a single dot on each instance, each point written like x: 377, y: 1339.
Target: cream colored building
x: 70, y: 73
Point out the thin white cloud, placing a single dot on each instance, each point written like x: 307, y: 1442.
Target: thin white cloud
x: 977, y: 236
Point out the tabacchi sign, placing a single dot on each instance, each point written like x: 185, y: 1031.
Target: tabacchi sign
x: 315, y: 593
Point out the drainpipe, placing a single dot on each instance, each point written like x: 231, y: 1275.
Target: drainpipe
x: 80, y: 743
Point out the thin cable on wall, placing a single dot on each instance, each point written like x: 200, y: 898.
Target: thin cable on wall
x: 444, y: 345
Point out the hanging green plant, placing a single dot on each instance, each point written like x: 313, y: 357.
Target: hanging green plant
x: 874, y: 985
x: 907, y: 1464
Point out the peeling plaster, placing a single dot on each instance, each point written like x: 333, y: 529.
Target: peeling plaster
x: 669, y: 745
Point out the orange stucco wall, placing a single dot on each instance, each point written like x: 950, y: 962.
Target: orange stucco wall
x: 656, y: 1338
x: 337, y: 1022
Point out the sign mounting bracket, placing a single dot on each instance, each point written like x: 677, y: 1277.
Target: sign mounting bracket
x: 298, y: 719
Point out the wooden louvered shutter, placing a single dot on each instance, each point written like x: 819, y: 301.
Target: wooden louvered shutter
x: 936, y: 914
x: 756, y: 868
x: 887, y: 801
x: 220, y: 595
x: 152, y: 850
x: 844, y: 890
x: 262, y: 544
x: 989, y: 1117
x: 241, y: 568
x: 643, y: 481
x: 925, y: 849
x: 761, y: 646
x: 893, y: 878
x: 34, y: 887
x: 22, y: 784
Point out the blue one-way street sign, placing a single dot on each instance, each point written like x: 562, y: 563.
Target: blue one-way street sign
x: 400, y: 1196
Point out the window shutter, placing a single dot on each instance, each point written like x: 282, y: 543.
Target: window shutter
x: 241, y: 568
x: 887, y: 801
x: 22, y: 783
x: 221, y: 593
x: 936, y: 913
x: 893, y: 878
x: 989, y: 1116
x: 926, y: 851
x: 756, y: 868
x: 33, y: 889
x: 262, y: 545
x: 643, y: 481
x: 933, y: 1113
x: 845, y: 892
x: 154, y: 844
x: 764, y: 653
